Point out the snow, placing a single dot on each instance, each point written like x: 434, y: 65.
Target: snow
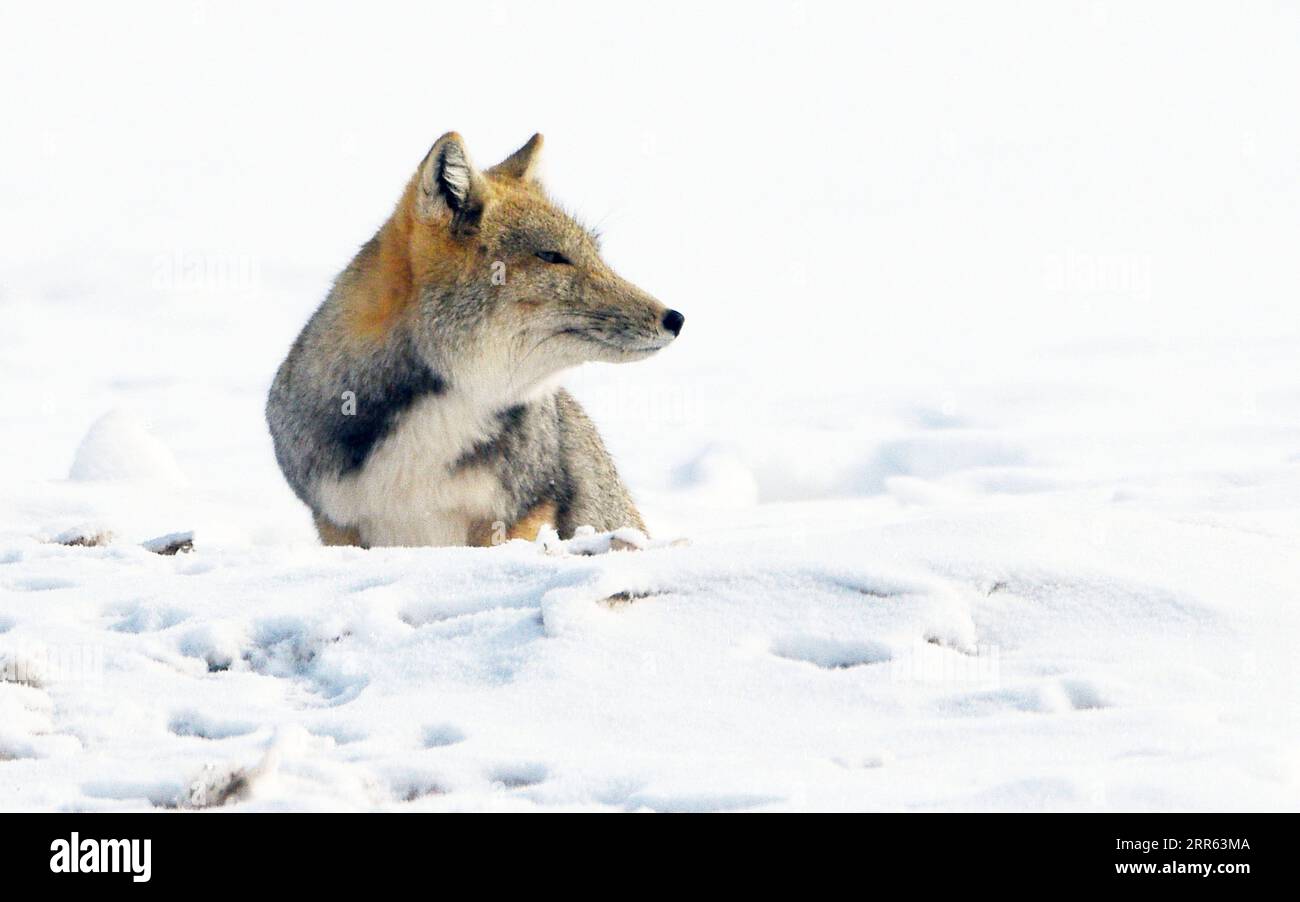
x: 973, y: 482
x: 120, y: 447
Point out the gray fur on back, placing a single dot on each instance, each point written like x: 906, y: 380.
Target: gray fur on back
x: 319, y: 430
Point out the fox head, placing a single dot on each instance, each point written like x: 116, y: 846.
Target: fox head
x: 497, y: 283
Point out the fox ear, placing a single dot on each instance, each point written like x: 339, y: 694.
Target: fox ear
x: 449, y: 184
x: 522, y: 164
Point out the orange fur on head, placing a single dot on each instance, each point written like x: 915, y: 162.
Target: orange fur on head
x: 420, y: 244
x: 405, y: 255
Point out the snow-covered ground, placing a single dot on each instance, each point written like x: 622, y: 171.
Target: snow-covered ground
x: 984, y: 427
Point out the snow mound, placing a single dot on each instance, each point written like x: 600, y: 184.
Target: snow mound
x: 119, y: 446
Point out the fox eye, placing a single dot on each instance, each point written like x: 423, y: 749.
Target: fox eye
x: 554, y: 257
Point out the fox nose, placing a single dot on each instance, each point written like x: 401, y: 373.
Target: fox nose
x: 673, y: 322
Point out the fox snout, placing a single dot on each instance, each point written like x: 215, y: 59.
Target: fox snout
x: 626, y: 321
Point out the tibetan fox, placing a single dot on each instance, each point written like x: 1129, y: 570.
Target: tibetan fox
x: 420, y: 405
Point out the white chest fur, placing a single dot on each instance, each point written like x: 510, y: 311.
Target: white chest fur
x: 409, y: 491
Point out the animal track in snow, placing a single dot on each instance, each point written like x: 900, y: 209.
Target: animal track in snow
x: 519, y: 774
x: 44, y: 584
x: 1085, y: 695
x: 196, y: 568
x: 218, y: 644
x: 289, y: 648
x: 340, y: 733
x: 1049, y: 697
x: 191, y: 723
x: 831, y: 654
x: 412, y: 787
x: 160, y: 794
x: 143, y: 618
x: 443, y: 734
